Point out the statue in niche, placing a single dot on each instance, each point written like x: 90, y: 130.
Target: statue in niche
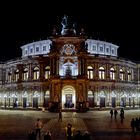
x: 68, y: 71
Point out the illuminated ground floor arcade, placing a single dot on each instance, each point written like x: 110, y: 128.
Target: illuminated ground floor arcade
x: 68, y: 98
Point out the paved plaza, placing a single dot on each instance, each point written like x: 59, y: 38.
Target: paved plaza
x: 14, y: 124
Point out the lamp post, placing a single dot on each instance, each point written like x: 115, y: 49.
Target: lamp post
x: 5, y: 97
x: 0, y: 100
x: 133, y: 96
x: 139, y: 99
x: 9, y: 100
x: 129, y: 100
x: 14, y: 102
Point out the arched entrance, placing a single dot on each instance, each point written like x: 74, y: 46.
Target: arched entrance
x: 68, y: 97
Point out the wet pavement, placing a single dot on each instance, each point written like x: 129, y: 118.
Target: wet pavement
x: 14, y: 124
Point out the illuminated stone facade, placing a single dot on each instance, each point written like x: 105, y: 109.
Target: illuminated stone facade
x: 69, y: 71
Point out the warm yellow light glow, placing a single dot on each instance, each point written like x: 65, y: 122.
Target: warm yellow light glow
x: 68, y: 90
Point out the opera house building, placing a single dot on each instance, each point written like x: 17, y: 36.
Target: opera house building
x: 69, y: 70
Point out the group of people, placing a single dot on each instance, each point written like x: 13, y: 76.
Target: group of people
x: 34, y: 134
x: 115, y: 112
x: 78, y: 136
x: 135, y: 125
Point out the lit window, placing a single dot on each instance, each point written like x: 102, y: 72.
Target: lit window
x: 37, y: 49
x: 10, y: 77
x: 47, y: 72
x: 94, y: 48
x: 101, y: 49
x: 121, y: 74
x: 31, y: 50
x: 44, y: 48
x: 16, y: 75
x: 101, y: 73
x: 90, y: 72
x: 107, y: 50
x: 26, y: 52
x: 112, y: 74
x: 112, y: 51
x: 25, y: 74
x: 129, y: 75
x: 36, y: 73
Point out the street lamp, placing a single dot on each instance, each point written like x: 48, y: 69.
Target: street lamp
x: 5, y: 97
x: 0, y: 98
x: 133, y: 96
x: 129, y: 100
x: 139, y: 99
x: 14, y: 101
x: 9, y: 100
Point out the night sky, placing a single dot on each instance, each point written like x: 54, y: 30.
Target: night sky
x: 114, y: 22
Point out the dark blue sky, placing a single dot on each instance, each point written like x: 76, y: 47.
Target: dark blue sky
x: 114, y: 22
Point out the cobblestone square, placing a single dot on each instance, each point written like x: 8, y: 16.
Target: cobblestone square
x: 14, y: 124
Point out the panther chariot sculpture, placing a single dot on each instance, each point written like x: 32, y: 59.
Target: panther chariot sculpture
x: 68, y: 28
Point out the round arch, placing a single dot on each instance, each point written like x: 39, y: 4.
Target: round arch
x: 68, y: 96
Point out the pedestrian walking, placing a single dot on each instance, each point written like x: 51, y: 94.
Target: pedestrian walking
x: 121, y: 115
x: 38, y: 127
x: 48, y: 136
x: 69, y: 131
x: 122, y: 111
x: 133, y: 125
x: 78, y: 135
x: 115, y: 113
x: 86, y: 136
x: 31, y: 135
x: 137, y: 124
x: 60, y: 116
x: 111, y: 113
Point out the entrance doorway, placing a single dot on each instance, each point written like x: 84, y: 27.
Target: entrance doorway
x: 24, y: 102
x: 113, y: 101
x: 102, y: 101
x: 68, y: 97
x: 35, y: 102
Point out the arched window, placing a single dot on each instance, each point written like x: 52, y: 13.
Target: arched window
x: 129, y: 75
x: 9, y: 76
x: 90, y: 72
x: 36, y: 73
x: 47, y: 72
x: 112, y: 73
x: 101, y: 73
x: 16, y: 75
x: 121, y: 76
x: 25, y: 74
